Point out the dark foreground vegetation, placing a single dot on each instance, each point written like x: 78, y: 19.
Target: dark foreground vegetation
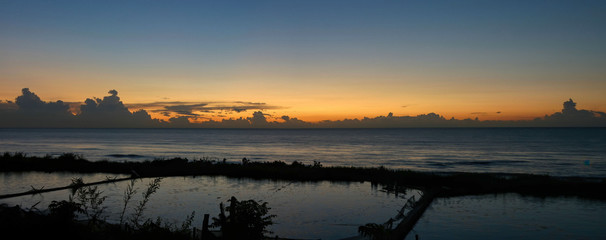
x: 246, y: 219
x: 82, y: 217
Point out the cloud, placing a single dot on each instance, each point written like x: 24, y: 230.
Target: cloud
x: 8, y: 106
x: 30, y: 102
x: 28, y: 110
x: 111, y: 112
x: 180, y: 122
x: 258, y: 119
x: 196, y: 109
x: 571, y: 116
x: 185, y: 109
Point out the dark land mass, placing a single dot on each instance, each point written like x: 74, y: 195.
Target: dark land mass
x: 450, y: 184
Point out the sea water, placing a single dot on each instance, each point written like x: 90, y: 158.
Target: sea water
x: 552, y: 151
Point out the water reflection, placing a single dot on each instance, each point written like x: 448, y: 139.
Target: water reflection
x: 326, y: 210
x: 330, y: 210
x: 511, y: 216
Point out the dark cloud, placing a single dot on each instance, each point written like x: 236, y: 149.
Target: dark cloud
x: 8, y: 106
x: 197, y: 109
x: 187, y: 110
x: 571, y: 116
x: 180, y: 122
x: 28, y: 110
x: 258, y: 119
x: 111, y: 112
x: 30, y: 102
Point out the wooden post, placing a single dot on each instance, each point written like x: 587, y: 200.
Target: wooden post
x: 205, y: 223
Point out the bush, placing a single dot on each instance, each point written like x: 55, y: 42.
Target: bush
x: 247, y: 219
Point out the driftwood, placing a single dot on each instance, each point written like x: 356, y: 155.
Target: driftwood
x: 42, y: 190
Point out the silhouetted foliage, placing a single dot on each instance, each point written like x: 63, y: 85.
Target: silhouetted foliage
x: 374, y: 231
x: 86, y: 203
x: 151, y: 189
x: 246, y: 220
x: 64, y: 211
x: 89, y: 200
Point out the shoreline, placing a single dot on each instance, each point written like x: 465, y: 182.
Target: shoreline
x: 450, y: 183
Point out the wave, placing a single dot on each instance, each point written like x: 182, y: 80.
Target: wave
x: 125, y: 156
x: 475, y: 163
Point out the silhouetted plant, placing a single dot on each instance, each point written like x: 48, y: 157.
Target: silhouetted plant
x: 76, y: 184
x: 374, y: 231
x: 128, y: 194
x: 90, y: 201
x: 247, y: 219
x: 297, y: 164
x: 64, y: 210
x: 70, y: 156
x: 317, y: 164
x: 151, y: 189
x: 186, y: 225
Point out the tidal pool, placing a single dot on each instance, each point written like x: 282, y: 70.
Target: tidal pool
x: 333, y: 210
x: 307, y: 210
x: 512, y: 216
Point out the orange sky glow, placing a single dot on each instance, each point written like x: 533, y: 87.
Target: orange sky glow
x: 331, y: 62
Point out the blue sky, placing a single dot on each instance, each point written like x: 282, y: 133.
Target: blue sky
x: 317, y: 59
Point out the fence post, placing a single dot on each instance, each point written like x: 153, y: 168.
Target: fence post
x: 205, y: 226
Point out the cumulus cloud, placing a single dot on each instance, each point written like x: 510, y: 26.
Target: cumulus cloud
x: 180, y: 122
x: 111, y: 112
x: 571, y: 116
x: 258, y: 119
x: 8, y: 106
x: 28, y: 110
x: 29, y: 102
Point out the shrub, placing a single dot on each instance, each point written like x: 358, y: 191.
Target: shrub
x: 247, y: 219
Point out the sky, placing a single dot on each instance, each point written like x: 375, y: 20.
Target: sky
x: 309, y: 60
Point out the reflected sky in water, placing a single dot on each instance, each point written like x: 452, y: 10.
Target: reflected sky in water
x: 334, y: 210
x: 327, y: 210
x: 511, y: 216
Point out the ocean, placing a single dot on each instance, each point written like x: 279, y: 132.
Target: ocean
x: 551, y: 151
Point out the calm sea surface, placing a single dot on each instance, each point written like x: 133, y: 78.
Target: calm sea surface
x: 553, y: 151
